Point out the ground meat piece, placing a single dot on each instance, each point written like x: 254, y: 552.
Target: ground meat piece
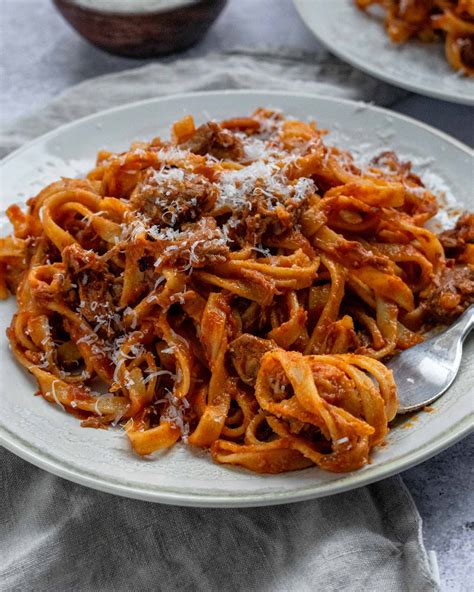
x: 246, y: 353
x: 453, y: 293
x: 173, y: 196
x: 416, y: 12
x: 419, y: 201
x: 353, y: 254
x: 213, y: 139
x: 78, y: 260
x: 196, y: 245
x: 455, y: 240
x: 93, y: 280
x: 467, y: 51
x: 269, y: 214
x: 260, y: 221
x: 206, y: 244
x: 389, y: 162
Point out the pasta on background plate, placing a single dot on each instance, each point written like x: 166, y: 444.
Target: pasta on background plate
x: 432, y: 20
x: 237, y: 288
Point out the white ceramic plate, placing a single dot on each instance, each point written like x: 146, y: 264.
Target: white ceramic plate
x: 361, y: 40
x: 47, y: 437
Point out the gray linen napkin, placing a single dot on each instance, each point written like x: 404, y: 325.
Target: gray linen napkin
x: 56, y: 535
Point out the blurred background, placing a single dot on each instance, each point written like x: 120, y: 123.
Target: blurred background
x: 41, y: 55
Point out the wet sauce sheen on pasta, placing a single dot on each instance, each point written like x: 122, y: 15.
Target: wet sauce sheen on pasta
x: 236, y: 288
x: 432, y: 20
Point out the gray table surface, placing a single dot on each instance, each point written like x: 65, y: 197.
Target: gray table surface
x: 40, y: 56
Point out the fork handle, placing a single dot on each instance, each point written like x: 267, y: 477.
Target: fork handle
x: 464, y: 324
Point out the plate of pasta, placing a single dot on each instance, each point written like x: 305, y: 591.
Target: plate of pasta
x: 202, y: 291
x: 425, y: 46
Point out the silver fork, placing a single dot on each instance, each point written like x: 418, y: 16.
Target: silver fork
x: 424, y: 372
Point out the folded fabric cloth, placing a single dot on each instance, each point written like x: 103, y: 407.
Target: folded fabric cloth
x: 272, y: 70
x: 57, y: 535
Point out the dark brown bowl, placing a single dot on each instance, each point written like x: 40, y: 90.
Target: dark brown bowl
x: 142, y: 34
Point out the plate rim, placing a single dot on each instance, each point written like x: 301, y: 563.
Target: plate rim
x: 41, y: 459
x: 431, y: 92
x: 241, y: 91
x: 203, y: 500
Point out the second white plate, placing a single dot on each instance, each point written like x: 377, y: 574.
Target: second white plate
x: 361, y: 40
